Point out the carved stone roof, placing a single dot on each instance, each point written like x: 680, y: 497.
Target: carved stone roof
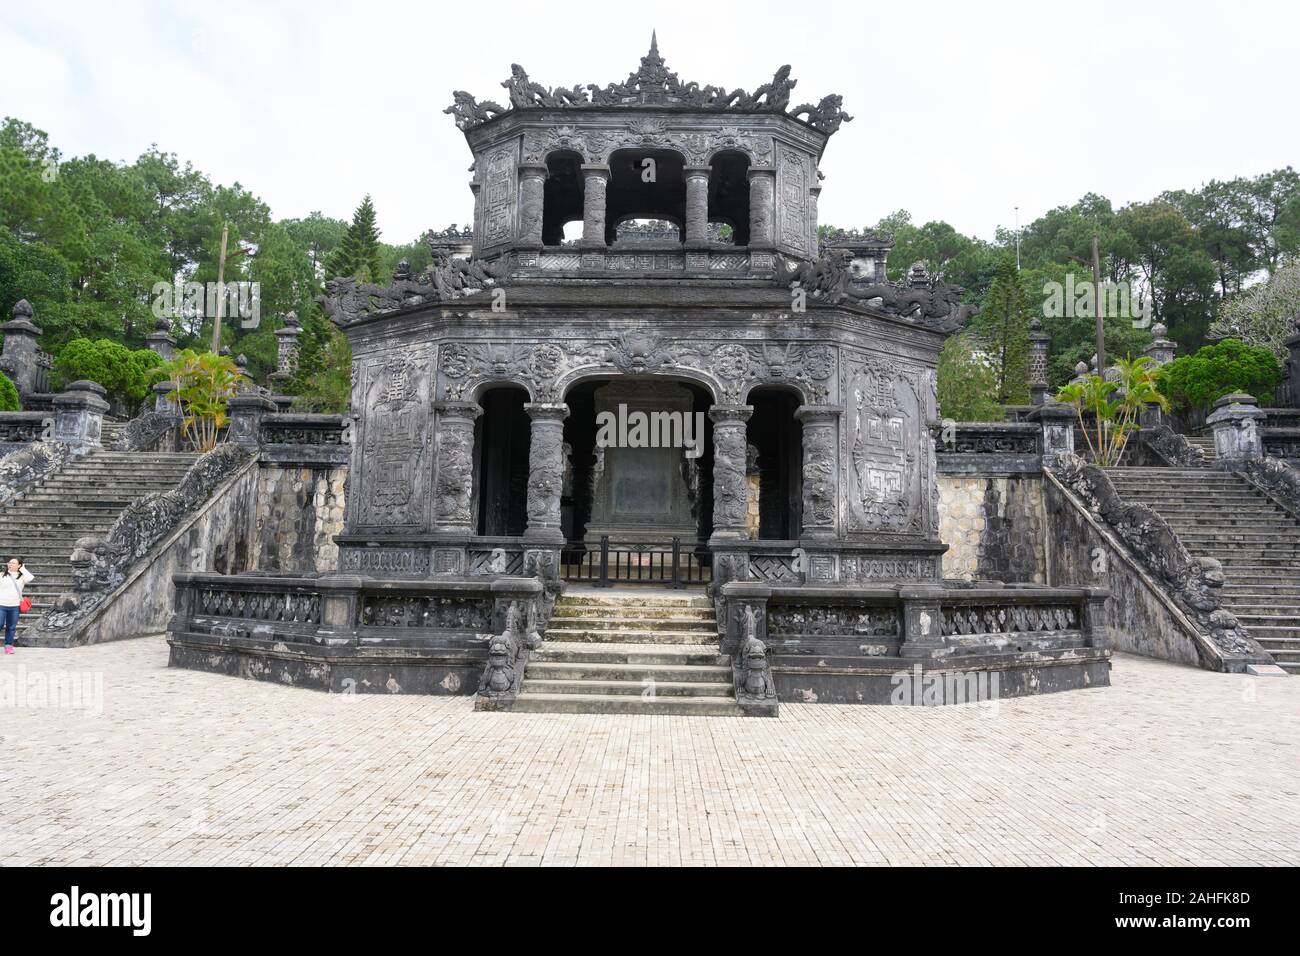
x: 652, y: 85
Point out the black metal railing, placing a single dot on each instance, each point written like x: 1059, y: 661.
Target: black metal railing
x: 674, y: 564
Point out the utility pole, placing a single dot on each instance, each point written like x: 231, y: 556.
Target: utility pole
x: 1017, y: 238
x: 1096, y: 297
x: 221, y: 286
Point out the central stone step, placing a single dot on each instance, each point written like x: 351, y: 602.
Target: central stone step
x: 647, y: 652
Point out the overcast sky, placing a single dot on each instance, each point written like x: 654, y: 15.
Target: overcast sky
x: 962, y: 110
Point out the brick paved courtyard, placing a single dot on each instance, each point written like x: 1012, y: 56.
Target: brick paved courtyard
x: 1171, y: 765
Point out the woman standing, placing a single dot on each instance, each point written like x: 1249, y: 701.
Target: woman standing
x: 12, y: 582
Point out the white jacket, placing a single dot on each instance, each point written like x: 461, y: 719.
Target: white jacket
x: 11, y: 586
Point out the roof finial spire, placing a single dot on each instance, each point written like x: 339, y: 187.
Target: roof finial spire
x: 654, y: 43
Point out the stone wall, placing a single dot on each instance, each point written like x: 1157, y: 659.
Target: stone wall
x: 994, y: 528
x: 299, y: 510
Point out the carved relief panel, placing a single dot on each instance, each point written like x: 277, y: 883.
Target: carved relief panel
x: 889, y: 471
x: 392, y: 465
x: 792, y: 182
x: 498, y: 196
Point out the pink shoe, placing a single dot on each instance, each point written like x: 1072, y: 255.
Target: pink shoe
x: 9, y: 648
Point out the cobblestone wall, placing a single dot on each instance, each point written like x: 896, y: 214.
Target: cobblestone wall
x: 993, y: 528
x: 299, y: 510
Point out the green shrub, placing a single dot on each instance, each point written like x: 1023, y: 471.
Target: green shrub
x: 8, y: 394
x: 125, y: 374
x: 1197, y: 381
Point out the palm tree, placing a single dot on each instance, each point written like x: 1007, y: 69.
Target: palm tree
x: 1115, y: 405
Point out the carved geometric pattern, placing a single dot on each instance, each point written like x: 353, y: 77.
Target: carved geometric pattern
x: 1008, y: 619
x: 288, y: 607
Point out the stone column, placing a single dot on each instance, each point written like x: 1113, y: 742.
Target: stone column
x: 922, y: 621
x: 286, y: 340
x: 762, y: 208
x: 1039, y: 343
x: 79, y: 415
x: 729, y: 486
x: 820, y: 470
x: 545, y: 470
x: 814, y: 195
x: 1161, y: 350
x: 454, y: 488
x: 160, y: 340
x: 1235, y: 421
x: 1057, y: 420
x: 246, y: 411
x: 1292, y: 380
x: 532, y: 183
x: 697, y: 206
x: 18, y: 360
x: 595, y: 179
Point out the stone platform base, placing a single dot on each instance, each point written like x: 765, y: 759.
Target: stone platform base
x: 902, y: 682
x: 338, y: 670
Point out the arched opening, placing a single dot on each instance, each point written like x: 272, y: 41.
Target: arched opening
x: 729, y: 196
x: 775, y: 437
x: 501, y: 437
x: 561, y: 196
x: 630, y: 487
x: 644, y: 184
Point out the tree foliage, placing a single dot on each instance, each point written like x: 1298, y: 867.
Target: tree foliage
x: 125, y: 374
x: 1266, y: 314
x: 967, y: 383
x: 1198, y: 381
x: 8, y: 394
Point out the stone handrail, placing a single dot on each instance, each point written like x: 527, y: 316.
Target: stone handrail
x: 20, y: 428
x: 1281, y: 442
x: 293, y: 437
x: 1188, y: 585
x: 988, y: 447
x: 1171, y: 447
x: 147, y: 432
x: 26, y: 466
x: 1278, y: 479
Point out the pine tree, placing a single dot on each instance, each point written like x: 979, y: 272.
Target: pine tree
x: 359, y: 255
x: 1003, y: 327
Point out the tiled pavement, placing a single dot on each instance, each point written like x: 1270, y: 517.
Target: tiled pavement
x: 1171, y: 765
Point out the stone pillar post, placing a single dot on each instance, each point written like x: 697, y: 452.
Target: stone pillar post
x: 18, y: 360
x: 246, y: 411
x: 697, y: 206
x: 922, y: 621
x: 595, y: 179
x: 164, y: 399
x: 1235, y: 421
x: 1161, y: 349
x: 1039, y: 343
x: 532, y: 183
x: 1057, y: 420
x: 762, y: 208
x: 545, y: 470
x: 160, y: 340
x: 820, y: 470
x: 79, y: 415
x: 454, y: 488
x: 814, y: 195
x: 730, y: 500
x: 286, y: 341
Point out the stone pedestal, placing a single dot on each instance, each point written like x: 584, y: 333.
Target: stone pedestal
x: 1162, y: 349
x: 545, y: 470
x: 454, y: 488
x: 18, y: 360
x: 1235, y: 421
x: 640, y: 490
x: 160, y: 340
x: 1057, y: 420
x: 820, y: 468
x: 79, y: 415
x: 730, y: 490
x: 246, y: 412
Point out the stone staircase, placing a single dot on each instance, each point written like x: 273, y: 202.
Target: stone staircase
x: 1221, y: 515
x: 43, y: 524
x: 630, y: 652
